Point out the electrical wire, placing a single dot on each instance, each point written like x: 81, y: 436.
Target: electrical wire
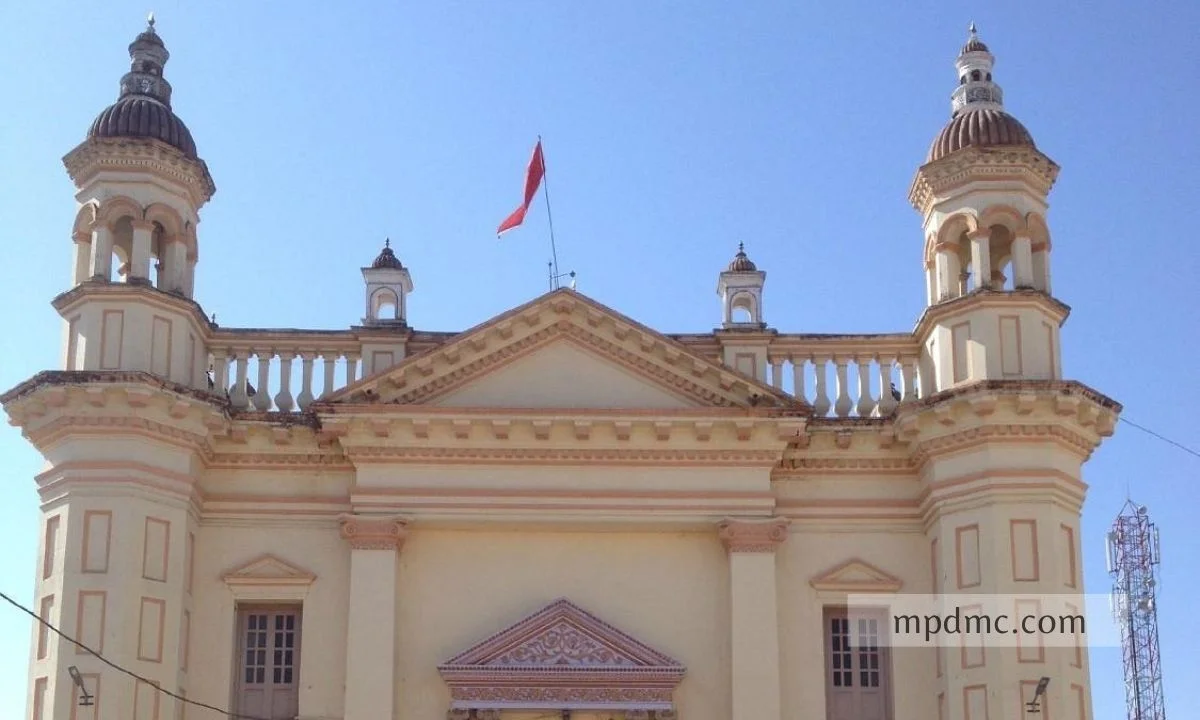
x: 227, y: 713
x: 1167, y: 440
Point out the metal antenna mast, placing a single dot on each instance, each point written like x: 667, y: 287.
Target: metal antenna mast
x: 1133, y: 560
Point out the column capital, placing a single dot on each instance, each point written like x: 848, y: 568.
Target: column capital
x: 367, y: 532
x: 758, y: 535
x: 142, y: 225
x: 982, y: 233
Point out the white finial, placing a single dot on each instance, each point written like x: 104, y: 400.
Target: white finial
x: 150, y: 19
x: 972, y: 28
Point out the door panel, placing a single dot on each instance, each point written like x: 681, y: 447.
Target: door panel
x: 268, y: 670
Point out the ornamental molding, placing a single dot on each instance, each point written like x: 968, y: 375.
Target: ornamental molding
x: 987, y: 298
x: 109, y: 425
x: 856, y: 576
x: 935, y: 179
x: 565, y: 315
x: 562, y: 658
x: 563, y: 456
x: 227, y: 460
x: 268, y: 577
x: 753, y: 535
x: 365, y: 427
x: 368, y: 532
x: 140, y: 154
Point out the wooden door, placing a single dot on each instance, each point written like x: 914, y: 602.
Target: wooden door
x: 269, y: 662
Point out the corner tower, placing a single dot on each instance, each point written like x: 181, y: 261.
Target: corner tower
x: 982, y: 194
x: 125, y: 425
x: 141, y: 184
x: 1000, y: 439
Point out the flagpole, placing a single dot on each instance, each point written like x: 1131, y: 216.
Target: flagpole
x: 549, y: 216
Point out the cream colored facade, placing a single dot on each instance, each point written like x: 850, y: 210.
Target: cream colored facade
x: 558, y: 510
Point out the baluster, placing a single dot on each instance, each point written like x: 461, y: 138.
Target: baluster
x: 305, y: 398
x: 330, y: 358
x: 262, y: 393
x: 351, y: 368
x: 887, y: 402
x: 821, y: 403
x: 221, y: 373
x: 283, y: 400
x: 237, y: 396
x: 844, y: 404
x: 797, y: 362
x: 908, y: 372
x: 777, y: 373
x: 866, y: 403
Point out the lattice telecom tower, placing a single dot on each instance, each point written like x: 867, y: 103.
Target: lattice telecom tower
x: 1133, y: 559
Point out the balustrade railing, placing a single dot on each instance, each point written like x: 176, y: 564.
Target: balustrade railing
x: 840, y: 376
x: 847, y: 376
x: 278, y: 370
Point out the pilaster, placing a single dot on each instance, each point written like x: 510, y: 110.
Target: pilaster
x: 375, y: 543
x: 754, y: 618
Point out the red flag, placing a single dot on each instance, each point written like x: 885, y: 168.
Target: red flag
x: 533, y: 178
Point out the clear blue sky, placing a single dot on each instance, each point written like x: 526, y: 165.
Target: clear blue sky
x: 672, y: 131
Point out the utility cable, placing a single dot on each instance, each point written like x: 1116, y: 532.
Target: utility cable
x: 227, y: 713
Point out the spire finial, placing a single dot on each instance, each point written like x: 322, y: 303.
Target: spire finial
x: 387, y: 242
x: 150, y: 20
x: 971, y: 28
x: 741, y: 247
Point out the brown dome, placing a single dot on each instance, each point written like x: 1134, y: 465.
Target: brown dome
x: 979, y: 127
x: 143, y: 108
x: 974, y: 45
x: 387, y: 259
x: 139, y: 116
x: 741, y: 263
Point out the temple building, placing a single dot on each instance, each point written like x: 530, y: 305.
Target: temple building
x: 560, y: 512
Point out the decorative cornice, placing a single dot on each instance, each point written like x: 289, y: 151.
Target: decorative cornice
x: 140, y: 154
x: 366, y: 532
x: 984, y: 298
x: 936, y: 179
x: 753, y: 535
x: 564, y: 456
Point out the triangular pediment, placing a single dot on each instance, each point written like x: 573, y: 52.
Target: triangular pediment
x: 563, y: 350
x: 267, y: 570
x: 856, y: 576
x: 562, y: 658
x: 561, y: 635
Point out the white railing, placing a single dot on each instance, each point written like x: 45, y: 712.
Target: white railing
x: 847, y: 375
x: 282, y: 370
x: 839, y: 375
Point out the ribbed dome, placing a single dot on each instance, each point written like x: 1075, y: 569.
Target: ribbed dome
x: 143, y: 108
x: 979, y: 127
x: 140, y: 116
x: 387, y: 259
x: 974, y: 45
x: 741, y: 263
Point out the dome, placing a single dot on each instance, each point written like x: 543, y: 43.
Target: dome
x: 135, y: 116
x: 387, y: 260
x: 741, y: 263
x: 979, y: 127
x: 143, y: 108
x: 974, y: 45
